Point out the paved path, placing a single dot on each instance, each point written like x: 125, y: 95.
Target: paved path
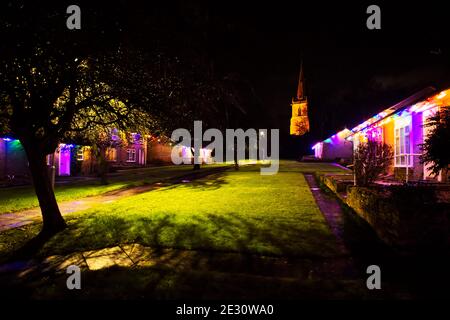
x: 331, y: 210
x: 21, y: 218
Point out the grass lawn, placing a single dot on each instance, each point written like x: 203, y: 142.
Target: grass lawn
x: 234, y: 214
x: 237, y: 211
x: 21, y: 198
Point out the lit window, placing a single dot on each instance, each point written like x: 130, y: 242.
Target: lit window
x: 80, y: 154
x: 111, y: 154
x: 403, y: 146
x: 114, y: 135
x: 131, y: 155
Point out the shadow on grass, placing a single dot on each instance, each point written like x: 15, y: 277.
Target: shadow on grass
x: 229, y: 232
x: 203, y: 182
x: 210, y: 179
x: 162, y: 283
x: 31, y: 247
x: 207, y: 257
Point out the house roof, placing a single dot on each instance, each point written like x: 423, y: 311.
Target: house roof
x: 398, y: 107
x: 411, y: 100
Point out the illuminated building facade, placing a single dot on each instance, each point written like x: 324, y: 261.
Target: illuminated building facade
x: 401, y: 126
x: 135, y: 150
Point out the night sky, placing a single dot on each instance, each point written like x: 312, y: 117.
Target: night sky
x: 351, y: 72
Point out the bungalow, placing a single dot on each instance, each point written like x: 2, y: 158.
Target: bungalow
x: 13, y: 160
x: 335, y: 148
x: 69, y: 159
x: 402, y: 127
x: 72, y: 160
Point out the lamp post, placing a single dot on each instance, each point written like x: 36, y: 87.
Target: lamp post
x: 262, y: 134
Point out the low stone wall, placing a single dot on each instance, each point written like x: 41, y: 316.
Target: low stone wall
x: 403, y: 216
x: 337, y: 183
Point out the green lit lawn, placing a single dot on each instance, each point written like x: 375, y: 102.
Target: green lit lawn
x: 216, y: 217
x: 238, y: 211
x: 21, y: 198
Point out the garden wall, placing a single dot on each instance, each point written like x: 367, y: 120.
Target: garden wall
x: 404, y: 216
x: 337, y: 183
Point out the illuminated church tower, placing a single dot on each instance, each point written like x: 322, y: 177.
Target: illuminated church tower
x: 299, y: 119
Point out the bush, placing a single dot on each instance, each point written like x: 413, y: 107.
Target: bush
x: 436, y: 149
x: 371, y: 160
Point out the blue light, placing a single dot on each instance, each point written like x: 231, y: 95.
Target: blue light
x: 7, y: 139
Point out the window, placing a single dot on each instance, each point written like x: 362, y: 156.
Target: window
x: 111, y: 154
x: 80, y: 154
x: 402, y: 146
x: 131, y: 155
x: 114, y: 135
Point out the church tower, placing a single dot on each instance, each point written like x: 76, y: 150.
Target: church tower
x: 299, y: 119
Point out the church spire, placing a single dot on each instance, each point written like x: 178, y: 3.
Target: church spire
x: 301, y: 84
x: 299, y: 119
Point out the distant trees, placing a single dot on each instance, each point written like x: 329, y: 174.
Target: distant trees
x: 436, y: 147
x: 371, y: 159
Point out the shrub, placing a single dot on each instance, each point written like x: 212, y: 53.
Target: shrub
x: 371, y: 160
x: 436, y: 149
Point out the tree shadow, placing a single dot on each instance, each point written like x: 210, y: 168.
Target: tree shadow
x: 31, y: 247
x: 176, y: 259
x: 212, y: 182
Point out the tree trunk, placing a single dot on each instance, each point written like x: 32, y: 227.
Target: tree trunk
x: 196, y: 165
x: 102, y: 164
x: 103, y: 170
x: 53, y: 221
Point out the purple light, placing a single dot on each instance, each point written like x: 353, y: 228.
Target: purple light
x: 315, y: 146
x: 66, y: 146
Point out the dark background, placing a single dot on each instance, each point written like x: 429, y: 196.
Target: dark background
x: 351, y: 72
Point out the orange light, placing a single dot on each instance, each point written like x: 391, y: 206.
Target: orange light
x: 441, y: 95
